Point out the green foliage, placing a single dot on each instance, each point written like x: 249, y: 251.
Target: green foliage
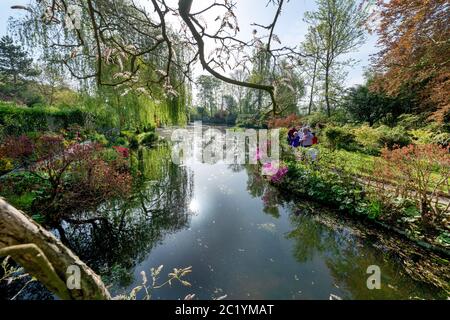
x: 147, y: 138
x: 374, y: 209
x: 98, y: 137
x: 17, y: 120
x: 120, y: 141
x: 23, y: 201
x: 391, y: 137
x: 133, y: 142
x: 316, y: 119
x: 15, y: 65
x: 325, y: 186
x: 363, y: 105
x: 411, y: 121
x: 368, y: 138
x: 250, y: 121
x: 6, y: 165
x: 340, y: 138
x: 431, y: 134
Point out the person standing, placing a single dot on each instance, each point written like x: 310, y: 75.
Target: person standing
x: 306, y: 138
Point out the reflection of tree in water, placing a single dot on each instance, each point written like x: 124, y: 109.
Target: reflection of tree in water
x: 128, y: 230
x: 347, y: 259
x: 348, y: 248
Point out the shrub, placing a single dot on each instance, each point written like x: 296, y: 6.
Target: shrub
x: 432, y: 134
x: 419, y: 172
x: 17, y: 148
x: 19, y: 120
x: 99, y: 138
x: 121, y: 141
x: 329, y: 187
x: 369, y: 139
x: 6, y: 165
x: 133, y: 142
x: 411, y: 121
x: 124, y: 152
x: 147, y: 138
x: 286, y: 122
x: 249, y: 121
x: 317, y: 119
x: 363, y: 105
x: 393, y: 137
x: 339, y: 138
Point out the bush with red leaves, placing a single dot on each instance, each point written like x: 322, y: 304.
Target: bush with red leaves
x: 17, y: 148
x: 419, y: 172
x: 285, y: 122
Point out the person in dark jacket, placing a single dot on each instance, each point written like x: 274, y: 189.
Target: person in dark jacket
x: 291, y: 135
x: 295, y: 141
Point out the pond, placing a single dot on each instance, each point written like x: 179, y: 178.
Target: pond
x: 243, y: 240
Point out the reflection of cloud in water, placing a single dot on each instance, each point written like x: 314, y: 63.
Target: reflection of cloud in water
x: 224, y: 189
x: 269, y: 227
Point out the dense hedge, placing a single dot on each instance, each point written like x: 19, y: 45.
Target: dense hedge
x: 16, y: 120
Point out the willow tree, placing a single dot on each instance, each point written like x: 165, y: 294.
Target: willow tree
x: 92, y: 34
x: 114, y: 49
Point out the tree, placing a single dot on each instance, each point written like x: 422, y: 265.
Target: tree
x: 15, y: 65
x: 109, y: 42
x: 207, y: 94
x: 50, y: 81
x: 290, y: 87
x: 337, y: 28
x: 311, y: 63
x: 414, y: 38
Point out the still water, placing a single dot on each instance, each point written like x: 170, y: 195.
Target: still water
x: 243, y: 240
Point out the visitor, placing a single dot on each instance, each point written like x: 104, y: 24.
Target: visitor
x: 315, y: 140
x: 291, y: 134
x: 307, y: 138
x: 295, y: 141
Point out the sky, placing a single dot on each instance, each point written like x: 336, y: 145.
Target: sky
x: 291, y: 28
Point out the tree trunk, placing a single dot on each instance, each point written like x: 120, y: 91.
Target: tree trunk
x: 327, y: 89
x: 312, y: 86
x: 45, y: 257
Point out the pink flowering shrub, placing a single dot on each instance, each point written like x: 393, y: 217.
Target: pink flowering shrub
x: 275, y: 171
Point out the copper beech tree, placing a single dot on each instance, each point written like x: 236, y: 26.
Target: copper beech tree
x: 415, y: 40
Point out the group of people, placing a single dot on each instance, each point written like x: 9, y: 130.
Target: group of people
x: 301, y: 138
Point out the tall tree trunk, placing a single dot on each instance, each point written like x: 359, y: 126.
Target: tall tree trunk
x: 327, y: 90
x: 312, y: 86
x: 45, y: 257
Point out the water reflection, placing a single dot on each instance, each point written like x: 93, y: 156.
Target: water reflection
x: 128, y: 231
x: 347, y: 254
x: 244, y: 240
